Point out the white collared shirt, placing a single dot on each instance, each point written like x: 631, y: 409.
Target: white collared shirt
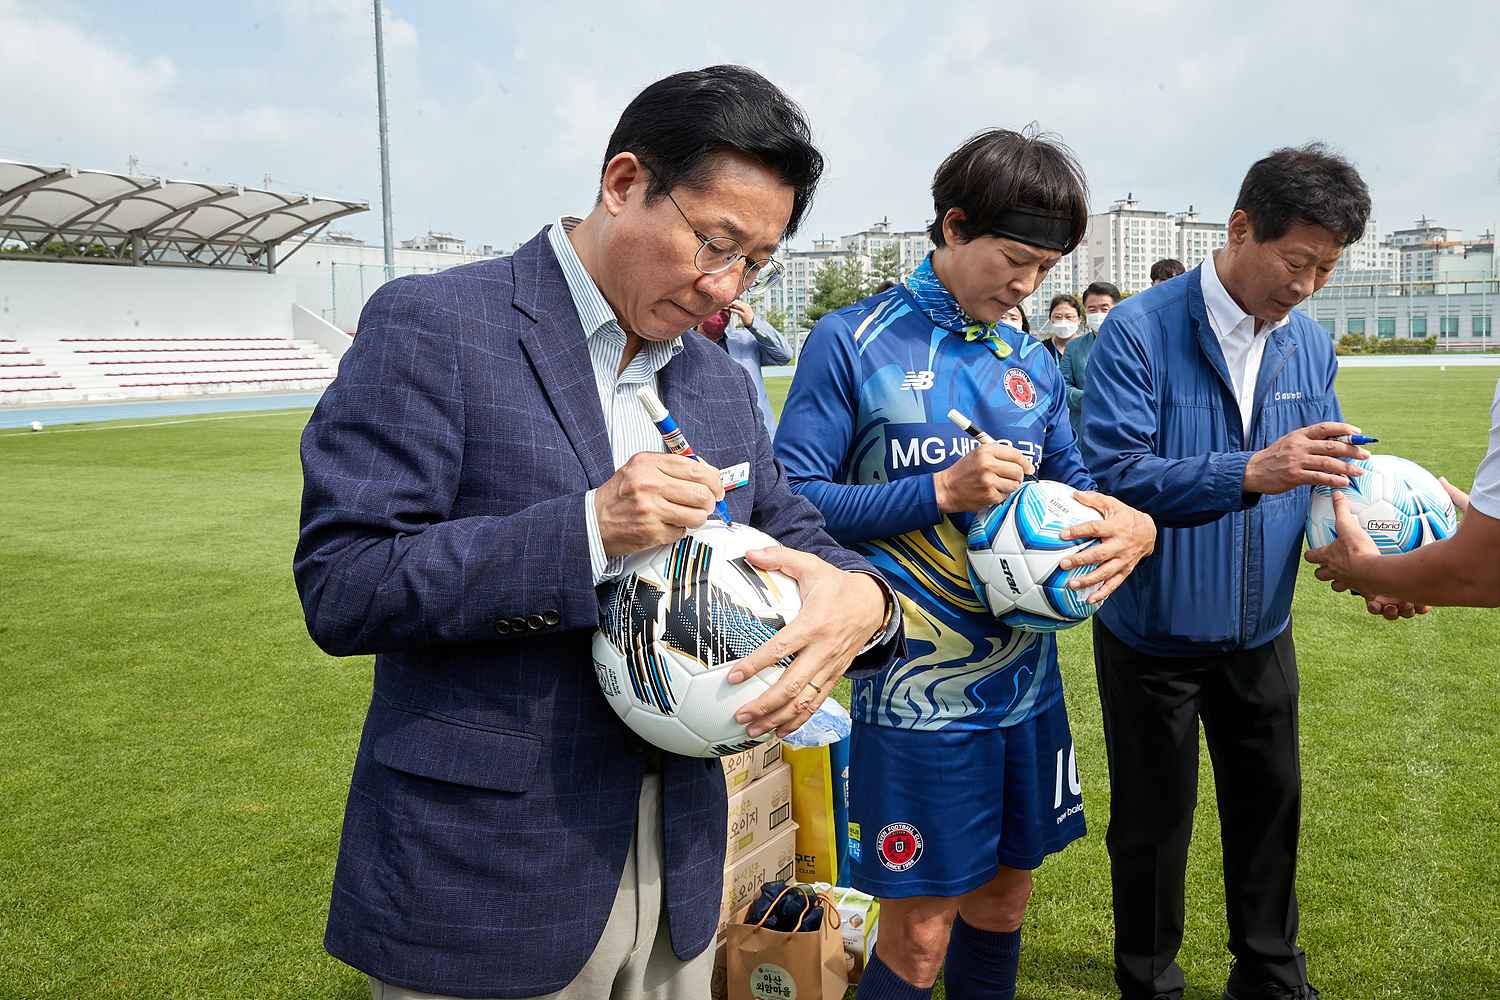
x: 630, y: 429
x: 1243, y: 348
x: 1485, y: 496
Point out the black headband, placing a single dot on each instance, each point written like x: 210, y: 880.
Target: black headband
x: 1036, y: 228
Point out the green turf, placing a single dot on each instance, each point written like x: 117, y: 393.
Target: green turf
x: 179, y: 751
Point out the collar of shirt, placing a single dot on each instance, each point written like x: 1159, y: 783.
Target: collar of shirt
x: 936, y: 301
x: 1224, y: 314
x: 594, y: 312
x: 1243, y: 348
x: 943, y: 310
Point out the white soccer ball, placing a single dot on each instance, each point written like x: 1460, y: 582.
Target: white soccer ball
x: 36, y: 425
x: 1400, y: 504
x: 1014, y: 549
x: 675, y: 623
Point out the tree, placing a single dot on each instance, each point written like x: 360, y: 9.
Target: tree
x: 62, y: 248
x: 885, y: 265
x: 775, y: 317
x: 839, y: 283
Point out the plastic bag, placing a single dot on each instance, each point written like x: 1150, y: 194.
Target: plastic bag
x: 829, y: 724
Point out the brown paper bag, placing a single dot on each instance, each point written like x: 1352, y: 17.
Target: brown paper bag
x: 772, y: 965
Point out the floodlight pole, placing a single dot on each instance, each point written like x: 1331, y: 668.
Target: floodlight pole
x: 385, y: 148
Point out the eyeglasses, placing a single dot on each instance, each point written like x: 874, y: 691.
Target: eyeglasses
x: 717, y: 254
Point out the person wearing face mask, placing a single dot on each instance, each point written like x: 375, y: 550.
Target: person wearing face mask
x: 1098, y: 299
x: 753, y: 343
x: 1064, y: 318
x: 1015, y: 317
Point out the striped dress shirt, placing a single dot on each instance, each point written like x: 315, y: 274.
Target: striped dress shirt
x: 630, y: 429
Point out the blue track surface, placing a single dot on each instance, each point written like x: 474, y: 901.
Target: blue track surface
x: 91, y: 412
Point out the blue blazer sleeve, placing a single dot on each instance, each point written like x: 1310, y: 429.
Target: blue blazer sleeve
x: 1121, y: 428
x: 795, y: 522
x: 814, y: 438
x: 379, y: 565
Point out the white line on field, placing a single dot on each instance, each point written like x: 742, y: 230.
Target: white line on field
x: 24, y: 432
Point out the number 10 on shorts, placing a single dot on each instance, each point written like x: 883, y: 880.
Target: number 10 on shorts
x: 1074, y: 785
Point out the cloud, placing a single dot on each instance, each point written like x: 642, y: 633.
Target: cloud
x: 500, y: 111
x: 105, y: 89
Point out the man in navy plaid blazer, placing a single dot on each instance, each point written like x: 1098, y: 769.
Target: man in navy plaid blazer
x: 479, y: 466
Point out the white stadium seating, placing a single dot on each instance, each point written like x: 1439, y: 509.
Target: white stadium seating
x: 117, y: 287
x: 65, y: 369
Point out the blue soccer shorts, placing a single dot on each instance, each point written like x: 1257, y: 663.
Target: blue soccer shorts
x: 936, y: 813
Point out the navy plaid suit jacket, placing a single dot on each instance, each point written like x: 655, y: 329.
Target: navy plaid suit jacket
x: 494, y: 791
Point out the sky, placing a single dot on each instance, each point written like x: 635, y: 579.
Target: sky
x: 500, y: 109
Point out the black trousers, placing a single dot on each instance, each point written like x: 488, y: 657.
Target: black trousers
x: 1247, y: 700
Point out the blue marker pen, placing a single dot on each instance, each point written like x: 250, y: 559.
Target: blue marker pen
x: 672, y: 434
x: 1356, y: 439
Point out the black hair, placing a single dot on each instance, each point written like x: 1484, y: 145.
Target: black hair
x: 1102, y: 288
x: 1067, y: 297
x: 999, y: 170
x: 1166, y: 269
x: 884, y: 286
x: 1307, y: 184
x: 678, y: 125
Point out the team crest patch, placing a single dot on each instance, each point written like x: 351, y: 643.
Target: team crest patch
x: 1018, y: 386
x: 899, y: 846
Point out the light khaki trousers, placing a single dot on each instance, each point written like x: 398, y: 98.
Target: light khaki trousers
x: 634, y: 958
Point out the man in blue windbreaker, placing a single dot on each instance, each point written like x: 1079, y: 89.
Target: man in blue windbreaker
x: 1210, y: 406
x: 962, y: 774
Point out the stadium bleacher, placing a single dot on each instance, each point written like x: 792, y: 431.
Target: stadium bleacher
x: 58, y: 369
x: 124, y: 287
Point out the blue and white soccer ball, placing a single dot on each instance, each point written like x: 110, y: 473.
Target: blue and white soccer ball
x: 1014, y: 549
x: 673, y: 626
x: 1399, y: 503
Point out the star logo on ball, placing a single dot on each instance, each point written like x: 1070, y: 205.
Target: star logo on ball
x: 899, y: 846
x: 1018, y: 386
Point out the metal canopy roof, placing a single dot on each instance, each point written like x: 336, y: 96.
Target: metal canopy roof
x: 98, y: 217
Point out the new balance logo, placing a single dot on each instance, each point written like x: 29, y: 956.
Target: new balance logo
x: 919, y: 381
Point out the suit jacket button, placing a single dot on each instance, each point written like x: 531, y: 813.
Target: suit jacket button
x: 534, y: 622
x: 503, y: 627
x: 518, y: 624
x: 552, y: 618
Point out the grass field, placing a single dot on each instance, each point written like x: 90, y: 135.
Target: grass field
x: 178, y: 751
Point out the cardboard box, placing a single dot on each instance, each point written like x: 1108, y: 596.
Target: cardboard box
x: 742, y: 768
x: 764, y: 759
x: 774, y: 861
x: 758, y: 812
x: 859, y: 922
x: 737, y: 770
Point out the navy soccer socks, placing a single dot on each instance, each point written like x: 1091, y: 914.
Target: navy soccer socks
x: 880, y: 983
x: 981, y: 964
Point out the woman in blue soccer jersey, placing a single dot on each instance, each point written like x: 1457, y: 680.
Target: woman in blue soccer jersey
x: 962, y: 777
